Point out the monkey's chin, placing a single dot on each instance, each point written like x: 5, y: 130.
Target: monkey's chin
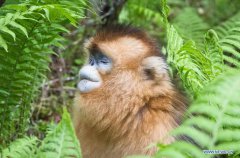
x: 86, y: 86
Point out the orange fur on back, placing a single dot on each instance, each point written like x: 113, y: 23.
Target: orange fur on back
x: 127, y: 113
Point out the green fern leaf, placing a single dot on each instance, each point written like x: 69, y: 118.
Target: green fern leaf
x: 222, y: 114
x: 195, y: 67
x: 47, y: 13
x: 229, y: 36
x: 21, y: 148
x: 135, y: 11
x: 24, y: 67
x: 213, y: 123
x: 6, y: 30
x: 214, y: 52
x: 3, y: 43
x: 165, y: 10
x: 23, y: 29
x: 196, y: 27
x: 176, y: 43
x: 61, y: 142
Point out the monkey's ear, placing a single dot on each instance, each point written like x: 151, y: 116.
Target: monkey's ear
x: 154, y: 68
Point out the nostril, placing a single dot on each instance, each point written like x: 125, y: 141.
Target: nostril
x: 90, y: 73
x: 91, y: 62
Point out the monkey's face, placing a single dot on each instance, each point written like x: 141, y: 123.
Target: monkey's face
x: 110, y: 60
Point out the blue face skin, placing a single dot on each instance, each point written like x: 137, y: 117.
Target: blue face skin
x: 101, y: 62
x: 99, y: 58
x: 90, y: 77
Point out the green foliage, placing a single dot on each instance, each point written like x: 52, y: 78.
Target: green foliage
x: 216, y: 11
x: 28, y: 32
x: 60, y: 142
x: 198, y: 47
x: 229, y: 34
x: 196, y: 27
x: 198, y: 67
x: 134, y: 11
x: 214, y: 122
x: 200, y: 60
x: 195, y: 67
x: 21, y: 148
x: 191, y: 26
x: 136, y: 8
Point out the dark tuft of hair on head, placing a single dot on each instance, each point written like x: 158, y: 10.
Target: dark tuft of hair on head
x: 113, y: 31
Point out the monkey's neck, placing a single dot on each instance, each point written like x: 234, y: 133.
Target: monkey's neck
x: 116, y: 118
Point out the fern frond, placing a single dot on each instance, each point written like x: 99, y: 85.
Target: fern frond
x: 229, y: 35
x: 148, y: 13
x: 195, y: 68
x: 214, y: 120
x: 135, y: 11
x: 21, y: 148
x: 191, y: 26
x: 61, y: 142
x: 214, y: 52
x: 179, y: 149
x: 28, y: 31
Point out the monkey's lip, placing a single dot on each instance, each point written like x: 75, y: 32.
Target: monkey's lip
x: 86, y: 86
x: 87, y: 78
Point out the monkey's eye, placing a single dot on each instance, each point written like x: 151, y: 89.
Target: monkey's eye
x: 104, y: 60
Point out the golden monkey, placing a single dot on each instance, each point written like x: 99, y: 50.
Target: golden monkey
x: 126, y: 100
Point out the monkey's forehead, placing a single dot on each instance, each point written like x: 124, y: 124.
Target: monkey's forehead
x: 124, y: 48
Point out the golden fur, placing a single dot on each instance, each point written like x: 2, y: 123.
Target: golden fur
x: 131, y: 110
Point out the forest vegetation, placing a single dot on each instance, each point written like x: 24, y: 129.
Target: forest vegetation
x: 41, y: 52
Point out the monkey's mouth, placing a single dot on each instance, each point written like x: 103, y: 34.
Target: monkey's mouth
x: 87, y: 85
x: 86, y: 78
x: 89, y: 81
